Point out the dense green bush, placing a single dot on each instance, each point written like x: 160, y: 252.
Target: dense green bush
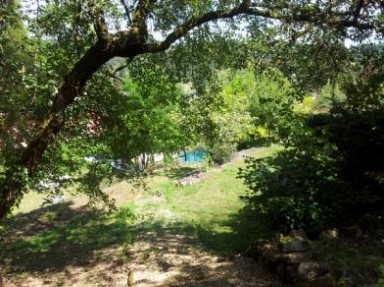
x: 360, y: 140
x: 299, y: 186
x: 222, y: 152
x: 329, y: 96
x: 332, y: 169
x: 329, y: 174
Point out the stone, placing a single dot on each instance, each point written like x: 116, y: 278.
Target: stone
x: 330, y: 233
x: 261, y: 249
x: 314, y: 234
x: 297, y: 257
x: 351, y: 232
x: 295, y: 246
x: 310, y: 270
x: 285, y: 272
x: 286, y: 265
x: 323, y: 281
x: 298, y: 234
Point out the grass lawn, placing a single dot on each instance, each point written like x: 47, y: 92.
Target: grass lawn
x: 51, y: 241
x: 211, y: 208
x: 52, y: 237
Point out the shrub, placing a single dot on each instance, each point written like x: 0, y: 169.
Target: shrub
x: 310, y: 184
x: 222, y: 152
x: 296, y: 188
x: 332, y: 170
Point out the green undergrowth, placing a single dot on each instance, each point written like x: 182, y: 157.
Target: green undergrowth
x: 212, y: 207
x: 51, y: 238
x: 357, y: 260
x: 60, y: 235
x: 210, y: 212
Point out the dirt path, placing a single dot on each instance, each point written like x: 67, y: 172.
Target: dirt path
x: 163, y: 253
x: 167, y: 258
x: 161, y: 256
x: 240, y: 155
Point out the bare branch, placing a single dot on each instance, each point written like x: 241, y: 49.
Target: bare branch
x: 118, y: 69
x: 99, y: 22
x: 141, y: 13
x: 331, y: 18
x: 192, y: 23
x: 127, y: 11
x: 358, y: 7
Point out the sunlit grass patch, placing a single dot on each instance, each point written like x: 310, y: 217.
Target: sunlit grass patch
x: 358, y: 259
x: 69, y: 234
x: 57, y: 236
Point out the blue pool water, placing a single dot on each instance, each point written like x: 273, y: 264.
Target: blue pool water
x: 193, y: 156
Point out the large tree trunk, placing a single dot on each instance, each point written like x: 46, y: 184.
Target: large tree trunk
x: 72, y: 87
x: 11, y: 188
x: 130, y: 43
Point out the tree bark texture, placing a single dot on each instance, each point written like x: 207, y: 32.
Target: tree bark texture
x: 129, y: 43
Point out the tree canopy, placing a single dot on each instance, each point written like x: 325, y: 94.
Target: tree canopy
x: 53, y: 56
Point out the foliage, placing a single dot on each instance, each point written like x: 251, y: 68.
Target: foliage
x: 329, y: 96
x: 271, y: 103
x: 364, y: 88
x: 222, y: 152
x: 353, y: 261
x: 305, y: 185
x: 308, y: 56
x: 331, y: 168
x: 54, y: 53
x: 246, y: 105
x: 146, y: 117
x: 359, y: 137
x: 230, y: 115
x: 380, y: 281
x: 15, y: 63
x: 291, y: 196
x: 358, y: 127
x: 312, y: 66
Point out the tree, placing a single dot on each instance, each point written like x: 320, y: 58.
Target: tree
x: 87, y: 49
x: 332, y: 171
x: 229, y: 112
x: 146, y: 117
x: 272, y: 103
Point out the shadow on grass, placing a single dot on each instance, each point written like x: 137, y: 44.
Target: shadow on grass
x: 233, y: 236
x: 179, y: 172
x: 176, y: 249
x: 54, y: 237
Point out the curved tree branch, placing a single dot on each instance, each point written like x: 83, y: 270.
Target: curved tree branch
x: 133, y: 42
x: 344, y: 19
x: 127, y: 11
x: 194, y: 22
x: 99, y: 22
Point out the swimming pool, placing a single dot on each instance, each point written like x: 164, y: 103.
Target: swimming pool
x: 193, y: 156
